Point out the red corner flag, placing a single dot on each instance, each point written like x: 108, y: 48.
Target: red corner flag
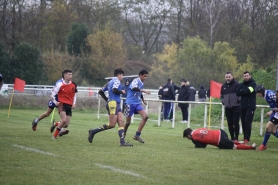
x: 19, y: 84
x: 215, y: 89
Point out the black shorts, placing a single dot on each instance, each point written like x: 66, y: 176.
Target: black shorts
x: 225, y: 142
x: 65, y: 108
x: 274, y: 120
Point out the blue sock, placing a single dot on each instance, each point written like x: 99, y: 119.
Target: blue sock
x: 138, y: 133
x: 121, y: 134
x: 266, y: 137
x: 276, y: 134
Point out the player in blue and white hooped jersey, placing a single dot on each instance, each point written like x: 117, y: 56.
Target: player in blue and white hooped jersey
x: 271, y: 126
x: 114, y: 89
x: 51, y: 106
x: 133, y: 103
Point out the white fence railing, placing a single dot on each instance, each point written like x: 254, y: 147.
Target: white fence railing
x: 93, y: 91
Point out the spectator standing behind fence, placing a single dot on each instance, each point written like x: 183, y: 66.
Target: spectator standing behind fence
x: 202, y: 94
x: 246, y: 90
x: 125, y: 87
x: 192, y: 92
x: 1, y: 81
x: 168, y: 94
x: 184, y: 94
x: 160, y: 93
x: 231, y: 102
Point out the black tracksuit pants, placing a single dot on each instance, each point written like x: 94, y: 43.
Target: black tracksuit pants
x: 247, y: 115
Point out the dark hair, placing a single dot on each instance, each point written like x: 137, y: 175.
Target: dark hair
x: 66, y: 71
x: 143, y: 72
x: 245, y: 72
x: 169, y: 80
x: 260, y: 89
x: 228, y: 72
x: 187, y: 132
x: 118, y: 71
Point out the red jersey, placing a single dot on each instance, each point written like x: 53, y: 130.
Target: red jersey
x: 66, y: 92
x: 206, y: 136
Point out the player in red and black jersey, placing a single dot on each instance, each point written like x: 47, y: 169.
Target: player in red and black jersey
x: 202, y: 137
x: 66, y: 91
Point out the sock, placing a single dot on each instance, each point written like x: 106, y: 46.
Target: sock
x: 56, y: 132
x: 236, y: 142
x: 121, y: 134
x: 244, y: 147
x: 102, y: 128
x: 36, y: 120
x: 266, y: 137
x: 138, y: 134
x: 276, y: 134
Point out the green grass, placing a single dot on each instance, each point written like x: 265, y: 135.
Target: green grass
x: 165, y: 158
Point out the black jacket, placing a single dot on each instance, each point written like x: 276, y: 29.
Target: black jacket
x: 184, y: 95
x: 248, y: 98
x: 168, y: 92
x: 192, y: 93
x: 228, y: 94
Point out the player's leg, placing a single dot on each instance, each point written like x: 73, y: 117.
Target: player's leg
x: 49, y: 110
x: 120, y: 121
x: 144, y: 115
x: 63, y: 119
x: 68, y: 117
x: 111, y: 108
x: 269, y: 129
x: 129, y: 112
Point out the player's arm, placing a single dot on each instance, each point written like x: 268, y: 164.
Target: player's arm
x: 102, y: 94
x: 55, y: 92
x: 117, y: 91
x: 199, y: 144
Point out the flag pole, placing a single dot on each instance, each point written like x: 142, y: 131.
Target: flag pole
x: 209, y: 112
x: 11, y: 103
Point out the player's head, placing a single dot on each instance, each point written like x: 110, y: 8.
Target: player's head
x: 143, y: 75
x: 118, y: 71
x: 66, y: 71
x: 67, y: 75
x: 260, y: 90
x: 169, y: 80
x: 187, y: 133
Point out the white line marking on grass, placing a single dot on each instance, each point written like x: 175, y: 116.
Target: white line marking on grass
x: 119, y: 170
x: 33, y: 149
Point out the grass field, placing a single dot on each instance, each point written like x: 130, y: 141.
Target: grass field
x: 29, y: 157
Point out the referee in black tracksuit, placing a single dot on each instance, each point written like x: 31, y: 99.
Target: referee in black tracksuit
x: 231, y: 102
x: 246, y: 90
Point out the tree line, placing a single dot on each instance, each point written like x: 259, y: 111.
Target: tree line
x: 194, y: 39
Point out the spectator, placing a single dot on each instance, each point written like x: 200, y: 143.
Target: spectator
x: 208, y: 93
x: 160, y: 93
x: 231, y: 102
x: 168, y: 94
x: 202, y: 94
x: 1, y: 81
x: 184, y: 94
x: 125, y: 87
x: 192, y: 92
x: 246, y: 90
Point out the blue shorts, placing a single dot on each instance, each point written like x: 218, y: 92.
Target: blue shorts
x: 51, y: 104
x: 131, y: 109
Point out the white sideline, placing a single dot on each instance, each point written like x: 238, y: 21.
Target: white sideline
x: 119, y: 170
x: 34, y: 150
